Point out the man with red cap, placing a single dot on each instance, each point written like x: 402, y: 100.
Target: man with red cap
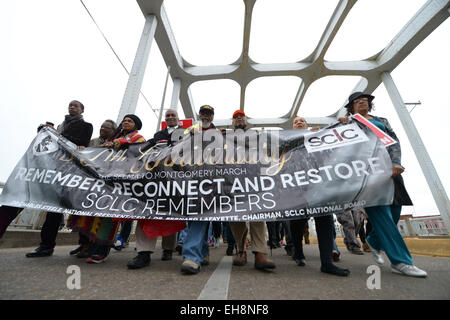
x: 257, y: 228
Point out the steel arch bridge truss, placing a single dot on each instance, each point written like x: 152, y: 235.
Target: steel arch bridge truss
x: 373, y: 71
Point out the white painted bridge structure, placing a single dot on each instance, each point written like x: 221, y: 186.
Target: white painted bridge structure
x: 373, y: 71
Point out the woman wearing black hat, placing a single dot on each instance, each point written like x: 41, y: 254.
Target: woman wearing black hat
x: 127, y: 132
x: 385, y: 235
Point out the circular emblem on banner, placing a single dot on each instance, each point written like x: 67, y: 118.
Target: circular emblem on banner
x: 45, y: 143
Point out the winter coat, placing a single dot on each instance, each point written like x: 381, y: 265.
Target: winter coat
x: 401, y: 196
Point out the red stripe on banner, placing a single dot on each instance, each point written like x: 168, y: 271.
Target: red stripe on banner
x: 385, y: 139
x: 337, y: 135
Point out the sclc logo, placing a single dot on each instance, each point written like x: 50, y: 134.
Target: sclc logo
x: 336, y: 137
x: 333, y: 137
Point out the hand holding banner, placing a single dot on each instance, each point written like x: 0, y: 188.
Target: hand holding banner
x: 208, y: 176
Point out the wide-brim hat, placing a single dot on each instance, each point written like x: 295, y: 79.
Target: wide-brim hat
x: 357, y: 95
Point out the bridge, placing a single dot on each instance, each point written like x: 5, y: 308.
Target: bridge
x: 52, y: 278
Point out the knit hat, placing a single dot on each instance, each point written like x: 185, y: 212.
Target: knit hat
x: 136, y: 120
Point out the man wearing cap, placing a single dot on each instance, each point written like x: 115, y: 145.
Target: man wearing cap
x: 195, y: 249
x: 257, y: 229
x: 206, y: 116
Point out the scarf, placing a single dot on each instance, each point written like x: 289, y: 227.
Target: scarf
x: 68, y: 120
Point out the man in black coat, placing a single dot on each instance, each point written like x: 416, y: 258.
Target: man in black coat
x: 172, y: 124
x: 324, y: 229
x: 74, y: 128
x: 78, y: 131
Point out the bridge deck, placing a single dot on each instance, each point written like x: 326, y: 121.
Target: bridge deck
x: 46, y: 278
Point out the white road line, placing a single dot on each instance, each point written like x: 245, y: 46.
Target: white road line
x: 217, y: 286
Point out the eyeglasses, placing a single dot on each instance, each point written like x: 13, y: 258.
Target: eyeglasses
x: 361, y: 99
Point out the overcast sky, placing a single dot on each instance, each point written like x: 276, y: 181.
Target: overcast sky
x: 52, y: 53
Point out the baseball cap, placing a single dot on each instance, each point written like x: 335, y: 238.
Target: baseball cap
x: 207, y: 108
x: 238, y: 112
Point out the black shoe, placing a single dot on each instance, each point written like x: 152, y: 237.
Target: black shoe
x: 81, y: 252
x: 76, y: 250
x: 205, y: 261
x: 357, y: 251
x: 332, y: 269
x: 84, y: 253
x: 140, y: 261
x: 300, y: 262
x: 166, y: 255
x: 40, y: 252
x: 272, y: 245
x: 289, y: 250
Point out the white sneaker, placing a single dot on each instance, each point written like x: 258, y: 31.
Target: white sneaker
x: 408, y: 270
x: 376, y: 254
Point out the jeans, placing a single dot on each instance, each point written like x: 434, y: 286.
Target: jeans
x: 182, y: 234
x: 228, y: 234
x: 196, y: 247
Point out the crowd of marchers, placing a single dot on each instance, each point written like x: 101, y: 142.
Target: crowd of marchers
x: 376, y: 226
